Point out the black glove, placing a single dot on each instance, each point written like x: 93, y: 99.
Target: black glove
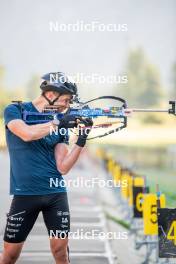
x: 84, y: 131
x: 68, y: 121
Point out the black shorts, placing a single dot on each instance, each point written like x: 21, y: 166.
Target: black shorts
x: 25, y: 209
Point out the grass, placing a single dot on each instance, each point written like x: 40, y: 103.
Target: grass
x: 118, y: 221
x: 166, y: 178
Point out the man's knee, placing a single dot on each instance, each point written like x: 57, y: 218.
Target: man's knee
x: 11, y: 253
x: 9, y: 258
x: 60, y: 253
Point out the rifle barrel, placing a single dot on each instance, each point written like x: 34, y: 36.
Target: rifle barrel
x: 140, y: 110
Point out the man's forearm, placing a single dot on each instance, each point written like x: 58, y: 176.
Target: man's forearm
x: 29, y: 132
x: 39, y: 131
x: 67, y: 160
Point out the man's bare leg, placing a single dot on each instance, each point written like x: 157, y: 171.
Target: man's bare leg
x: 11, y: 253
x: 59, y: 250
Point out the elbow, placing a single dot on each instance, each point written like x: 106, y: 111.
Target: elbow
x: 62, y: 170
x: 26, y: 139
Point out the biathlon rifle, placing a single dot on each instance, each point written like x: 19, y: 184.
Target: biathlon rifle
x: 82, y: 110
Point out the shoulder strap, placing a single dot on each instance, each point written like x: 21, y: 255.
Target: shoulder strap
x: 20, y: 106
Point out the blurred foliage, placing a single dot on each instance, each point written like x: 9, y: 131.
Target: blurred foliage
x: 173, y: 91
x: 143, y: 88
x: 4, y: 100
x: 154, y: 118
x: 17, y: 93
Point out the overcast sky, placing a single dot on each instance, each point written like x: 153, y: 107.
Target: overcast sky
x: 28, y: 46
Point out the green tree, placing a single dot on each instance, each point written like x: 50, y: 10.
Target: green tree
x: 152, y: 90
x: 144, y: 86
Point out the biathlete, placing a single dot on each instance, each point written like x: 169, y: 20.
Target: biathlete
x: 36, y: 156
